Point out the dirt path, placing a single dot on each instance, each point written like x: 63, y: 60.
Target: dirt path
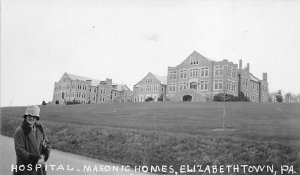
x: 62, y: 163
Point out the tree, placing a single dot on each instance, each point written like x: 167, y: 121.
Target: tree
x: 161, y: 97
x: 288, y: 97
x: 279, y: 97
x: 43, y: 103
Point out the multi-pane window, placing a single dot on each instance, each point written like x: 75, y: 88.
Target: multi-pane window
x: 204, y: 71
x: 218, y: 84
x: 194, y: 61
x: 149, y: 80
x: 172, y: 87
x: 172, y: 75
x: 183, y: 73
x: 229, y: 70
x: 194, y: 72
x: 231, y: 86
x: 148, y: 88
x: 233, y: 72
x: 218, y: 70
x: 182, y: 86
x: 245, y: 93
x: 228, y: 85
x: 203, y: 85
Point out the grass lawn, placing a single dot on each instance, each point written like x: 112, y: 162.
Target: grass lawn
x: 175, y: 124
x: 267, y: 120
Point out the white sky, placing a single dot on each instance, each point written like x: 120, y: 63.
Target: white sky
x: 124, y: 40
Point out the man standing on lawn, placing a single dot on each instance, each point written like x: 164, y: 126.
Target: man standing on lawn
x: 31, y: 144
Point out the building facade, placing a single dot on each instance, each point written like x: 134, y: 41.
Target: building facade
x: 150, y: 86
x: 74, y: 88
x: 199, y: 78
x: 109, y: 92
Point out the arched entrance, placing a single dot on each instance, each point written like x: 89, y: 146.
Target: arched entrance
x: 187, y: 98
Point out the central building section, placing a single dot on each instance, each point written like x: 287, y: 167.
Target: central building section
x: 199, y: 78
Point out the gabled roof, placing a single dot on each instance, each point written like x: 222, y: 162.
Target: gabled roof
x: 253, y: 78
x: 121, y: 87
x: 196, y: 55
x: 94, y: 82
x: 161, y: 79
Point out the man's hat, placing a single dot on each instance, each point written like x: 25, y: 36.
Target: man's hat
x: 33, y: 110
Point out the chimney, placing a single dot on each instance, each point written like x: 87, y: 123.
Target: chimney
x: 248, y: 67
x: 240, y: 64
x: 265, y: 77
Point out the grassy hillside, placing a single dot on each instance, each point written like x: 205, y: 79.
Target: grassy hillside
x: 281, y: 121
x: 171, y: 133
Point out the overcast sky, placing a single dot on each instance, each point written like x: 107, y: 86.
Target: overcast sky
x: 124, y: 40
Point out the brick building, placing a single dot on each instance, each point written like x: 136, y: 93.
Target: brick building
x: 150, y: 86
x: 199, y: 78
x: 86, y: 90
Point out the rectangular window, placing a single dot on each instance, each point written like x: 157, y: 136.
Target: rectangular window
x: 203, y: 85
x: 218, y: 84
x: 183, y: 73
x: 218, y: 70
x: 172, y: 75
x: 245, y: 93
x: 194, y: 72
x: 182, y: 86
x: 233, y: 73
x: 204, y: 71
x: 172, y: 87
x: 228, y: 86
x: 148, y: 88
x: 229, y: 71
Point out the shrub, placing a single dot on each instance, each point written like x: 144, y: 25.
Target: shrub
x: 229, y: 97
x: 72, y: 102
